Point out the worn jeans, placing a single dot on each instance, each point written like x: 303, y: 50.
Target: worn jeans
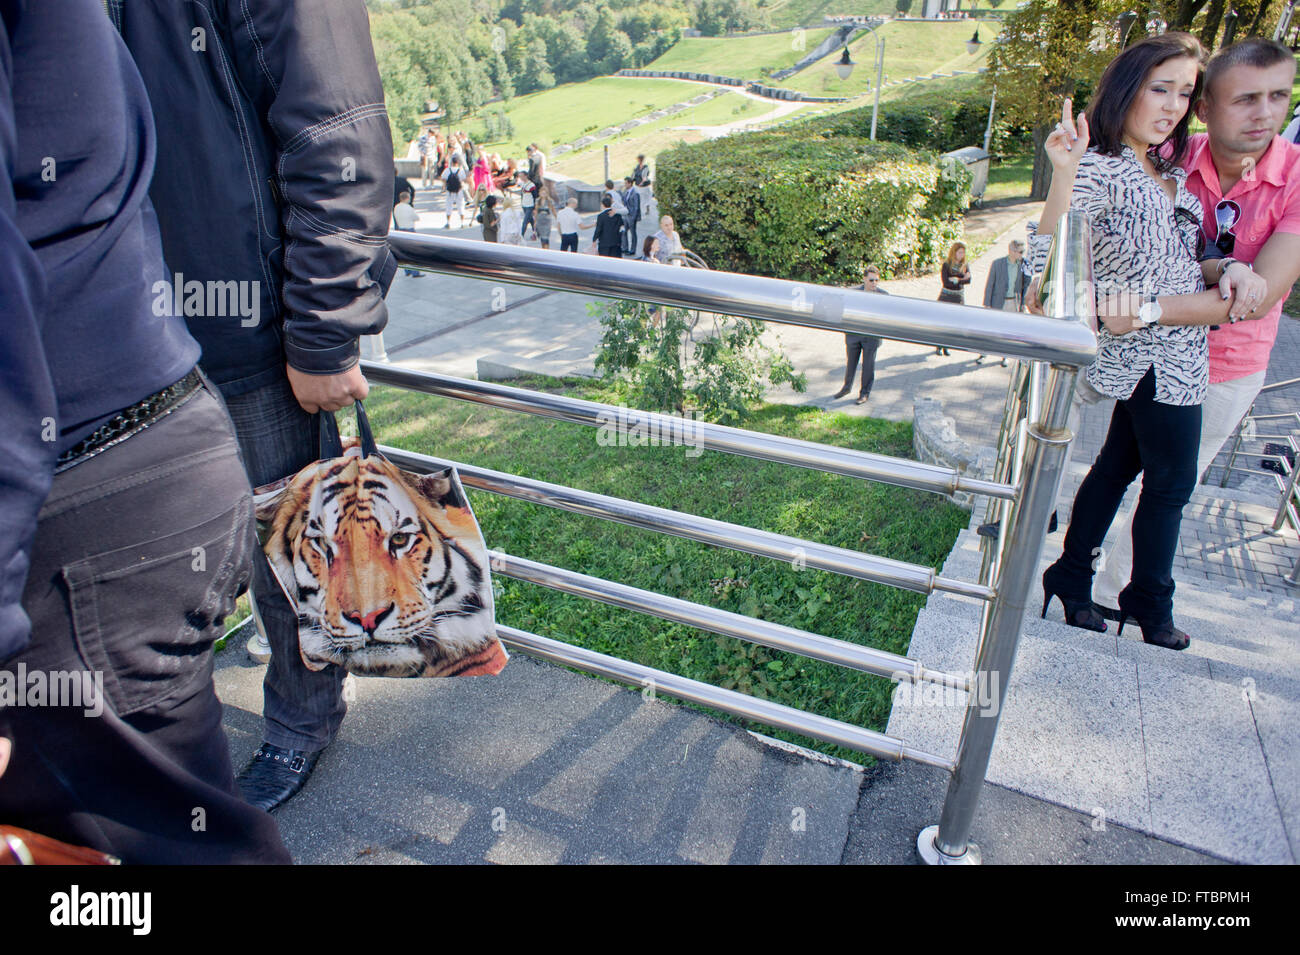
x: 140, y: 552
x: 302, y: 708
x: 1160, y: 442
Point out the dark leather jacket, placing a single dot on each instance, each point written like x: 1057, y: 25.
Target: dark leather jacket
x: 275, y: 164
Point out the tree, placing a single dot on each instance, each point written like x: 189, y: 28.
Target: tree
x: 904, y: 7
x: 1049, y: 51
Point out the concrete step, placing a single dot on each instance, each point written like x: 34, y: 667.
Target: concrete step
x: 1128, y: 733
x: 1244, y: 638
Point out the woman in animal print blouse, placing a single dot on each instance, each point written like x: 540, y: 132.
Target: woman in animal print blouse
x: 1118, y: 165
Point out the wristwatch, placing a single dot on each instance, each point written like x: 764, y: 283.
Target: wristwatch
x: 1150, y: 312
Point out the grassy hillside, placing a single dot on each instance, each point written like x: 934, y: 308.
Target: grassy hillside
x: 653, y: 138
x: 745, y: 56
x: 567, y: 112
x: 912, y: 48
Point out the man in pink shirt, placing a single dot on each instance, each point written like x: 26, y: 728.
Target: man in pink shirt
x: 1240, y: 163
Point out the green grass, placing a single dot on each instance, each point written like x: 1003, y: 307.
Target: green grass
x: 911, y: 49
x: 568, y: 112
x: 744, y: 57
x: 794, y: 13
x: 655, y: 137
x: 892, y: 522
x: 1010, y: 179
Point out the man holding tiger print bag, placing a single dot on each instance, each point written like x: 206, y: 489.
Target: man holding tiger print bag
x: 294, y: 205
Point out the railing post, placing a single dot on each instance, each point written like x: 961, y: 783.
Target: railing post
x: 1048, y: 442
x: 1044, y: 459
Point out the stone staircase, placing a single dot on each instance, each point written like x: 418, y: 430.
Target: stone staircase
x: 1198, y: 747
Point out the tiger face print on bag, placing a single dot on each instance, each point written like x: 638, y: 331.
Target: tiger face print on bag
x: 387, y: 569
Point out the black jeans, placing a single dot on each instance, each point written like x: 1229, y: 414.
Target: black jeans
x: 1159, y: 441
x: 568, y: 242
x: 866, y: 346
x: 139, y: 554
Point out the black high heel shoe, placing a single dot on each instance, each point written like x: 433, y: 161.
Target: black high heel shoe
x: 1157, y: 634
x: 1078, y: 613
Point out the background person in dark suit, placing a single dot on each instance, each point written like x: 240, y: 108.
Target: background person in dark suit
x: 608, y: 239
x: 864, y: 345
x: 1006, y: 285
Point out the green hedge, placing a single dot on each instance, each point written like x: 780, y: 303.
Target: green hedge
x: 803, y: 204
x: 940, y: 121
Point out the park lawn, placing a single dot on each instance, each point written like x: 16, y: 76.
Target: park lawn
x: 743, y: 57
x: 588, y: 165
x: 568, y: 112
x: 912, y: 48
x: 894, y: 522
x: 1010, y: 179
x: 806, y: 13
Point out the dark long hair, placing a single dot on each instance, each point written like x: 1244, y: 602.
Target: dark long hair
x: 1119, y: 87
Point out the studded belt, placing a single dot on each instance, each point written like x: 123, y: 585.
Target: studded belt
x: 130, y: 421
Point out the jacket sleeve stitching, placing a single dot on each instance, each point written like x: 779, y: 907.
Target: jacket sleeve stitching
x: 257, y: 45
x: 311, y: 133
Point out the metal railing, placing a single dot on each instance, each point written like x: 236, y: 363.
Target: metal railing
x: 1058, y: 346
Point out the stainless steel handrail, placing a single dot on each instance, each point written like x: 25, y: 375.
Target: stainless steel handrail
x: 1065, y: 341
x: 751, y: 630
x: 677, y: 430
x: 728, y: 701
x: 748, y: 540
x: 775, y: 300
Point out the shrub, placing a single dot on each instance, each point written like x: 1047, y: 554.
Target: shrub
x: 802, y: 203
x: 719, y: 375
x: 940, y: 121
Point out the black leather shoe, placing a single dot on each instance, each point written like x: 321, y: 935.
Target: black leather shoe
x: 275, y: 776
x: 841, y: 393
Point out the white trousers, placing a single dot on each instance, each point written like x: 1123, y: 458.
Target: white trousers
x: 1225, y: 405
x: 456, y: 199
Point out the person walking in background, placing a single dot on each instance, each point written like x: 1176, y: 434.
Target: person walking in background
x: 511, y: 227
x: 527, y: 199
x: 955, y: 275
x: 425, y: 145
x: 641, y: 179
x: 453, y: 178
x: 616, y: 199
x: 536, y: 166
x: 481, y: 180
x: 608, y: 239
x: 545, y: 215
x: 490, y: 218
x: 1006, y: 285
x: 569, y: 222
x: 865, y: 346
x: 404, y: 218
x: 670, y: 243
x: 632, y: 202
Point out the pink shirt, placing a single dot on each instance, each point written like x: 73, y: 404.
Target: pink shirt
x: 1270, y: 202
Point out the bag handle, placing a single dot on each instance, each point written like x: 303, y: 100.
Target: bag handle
x: 331, y: 444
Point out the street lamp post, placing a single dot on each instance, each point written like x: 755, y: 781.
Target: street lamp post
x: 973, y: 44
x: 988, y: 130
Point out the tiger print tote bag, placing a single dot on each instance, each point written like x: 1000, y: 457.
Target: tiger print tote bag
x: 387, y: 569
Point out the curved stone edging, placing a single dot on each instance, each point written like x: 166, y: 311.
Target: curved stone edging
x: 935, y: 441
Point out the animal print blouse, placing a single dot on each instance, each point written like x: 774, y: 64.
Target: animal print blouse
x: 1140, y: 245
